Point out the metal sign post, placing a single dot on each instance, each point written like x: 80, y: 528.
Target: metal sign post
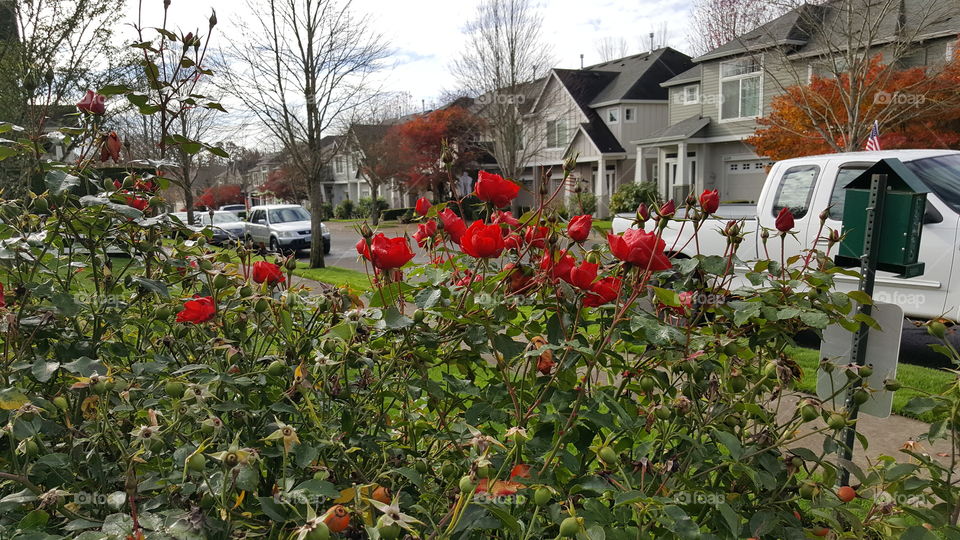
x: 868, y: 274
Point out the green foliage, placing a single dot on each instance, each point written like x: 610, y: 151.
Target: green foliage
x: 396, y: 214
x: 344, y: 210
x: 326, y: 211
x: 366, y: 207
x: 629, y: 196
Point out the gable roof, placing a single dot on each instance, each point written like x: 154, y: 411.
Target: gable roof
x: 808, y: 29
x: 683, y: 129
x: 691, y: 75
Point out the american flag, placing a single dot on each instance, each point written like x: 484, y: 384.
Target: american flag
x: 873, y: 143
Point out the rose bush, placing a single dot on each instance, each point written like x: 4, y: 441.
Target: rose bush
x: 527, y: 383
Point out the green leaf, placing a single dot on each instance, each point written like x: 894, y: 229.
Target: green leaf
x: 65, y: 303
x: 114, y: 89
x: 6, y: 151
x: 860, y: 297
x: 427, y: 298
x: 43, y: 370
x: 11, y: 398
x: 217, y: 151
x: 394, y: 319
x: 667, y: 297
x: 153, y: 286
x: 20, y: 497
x: 919, y: 405
x: 272, y: 510
x: 816, y: 319
x: 683, y: 526
x: 917, y: 532
x: 36, y: 519
x: 59, y: 181
x: 504, y: 516
x: 731, y: 443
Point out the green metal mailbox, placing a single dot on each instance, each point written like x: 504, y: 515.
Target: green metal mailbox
x: 900, y: 224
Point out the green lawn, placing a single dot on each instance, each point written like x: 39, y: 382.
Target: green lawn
x: 340, y: 277
x: 603, y: 225
x: 932, y: 380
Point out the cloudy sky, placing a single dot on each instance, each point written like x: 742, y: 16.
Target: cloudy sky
x: 426, y: 35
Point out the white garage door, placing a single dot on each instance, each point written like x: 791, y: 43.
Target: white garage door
x: 743, y: 180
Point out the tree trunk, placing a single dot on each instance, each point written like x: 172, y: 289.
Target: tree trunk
x: 188, y: 201
x: 374, y: 195
x: 316, y: 220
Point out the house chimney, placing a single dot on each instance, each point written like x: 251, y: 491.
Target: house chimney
x: 581, y: 60
x: 651, y: 41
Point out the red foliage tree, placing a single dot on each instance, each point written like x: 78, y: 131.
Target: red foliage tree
x: 217, y: 196
x: 286, y: 185
x: 915, y: 109
x: 420, y: 142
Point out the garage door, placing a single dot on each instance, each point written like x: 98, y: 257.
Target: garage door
x: 743, y: 180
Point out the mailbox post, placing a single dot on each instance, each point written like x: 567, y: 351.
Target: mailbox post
x: 887, y: 201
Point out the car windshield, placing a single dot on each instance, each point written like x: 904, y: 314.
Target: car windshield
x: 288, y: 215
x: 942, y: 175
x: 220, y: 218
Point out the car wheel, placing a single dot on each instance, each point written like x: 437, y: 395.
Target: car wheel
x: 326, y: 248
x: 275, y: 246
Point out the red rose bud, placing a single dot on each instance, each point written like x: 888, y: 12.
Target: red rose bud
x: 784, y: 220
x: 268, y: 272
x: 111, y: 148
x: 667, y: 210
x: 583, y: 275
x: 517, y: 277
x: 196, y: 311
x: 710, y: 201
x: 579, y: 227
x: 557, y: 266
x: 640, y: 248
x: 535, y: 236
x: 453, y: 224
x: 92, y: 103
x: 834, y: 236
x: 423, y: 205
x: 603, y: 292
x: 643, y: 213
x: 505, y: 218
x: 494, y: 189
x: 388, y: 253
x: 138, y: 203
x: 363, y: 248
x: 424, y: 232
x: 482, y: 241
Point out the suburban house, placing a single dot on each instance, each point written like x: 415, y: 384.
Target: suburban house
x: 714, y: 104
x: 594, y: 113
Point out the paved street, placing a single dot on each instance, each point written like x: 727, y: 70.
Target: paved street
x: 343, y: 244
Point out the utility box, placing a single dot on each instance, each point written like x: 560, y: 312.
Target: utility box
x: 899, y: 226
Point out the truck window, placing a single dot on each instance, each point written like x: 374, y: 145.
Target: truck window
x: 844, y: 176
x: 795, y: 190
x: 942, y: 175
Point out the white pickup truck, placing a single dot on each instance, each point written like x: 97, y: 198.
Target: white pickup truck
x: 808, y: 185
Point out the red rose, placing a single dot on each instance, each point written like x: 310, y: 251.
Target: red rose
x: 3, y: 297
x: 583, y: 275
x: 363, y: 249
x: 264, y: 271
x: 482, y: 241
x: 784, y: 220
x: 513, y: 242
x: 579, y: 227
x: 536, y: 236
x: 388, y: 253
x: 424, y: 232
x: 603, y: 292
x: 453, y: 224
x: 92, y: 103
x: 710, y: 201
x: 639, y: 248
x: 505, y: 218
x: 137, y: 202
x: 521, y: 470
x: 668, y: 209
x: 559, y: 266
x: 494, y: 189
x: 423, y: 205
x: 198, y: 310
x: 111, y: 148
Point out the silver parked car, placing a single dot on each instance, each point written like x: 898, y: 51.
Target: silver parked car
x: 282, y: 227
x: 226, y: 226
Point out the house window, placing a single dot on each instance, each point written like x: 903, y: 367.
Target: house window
x: 740, y: 84
x: 691, y: 94
x: 613, y: 116
x: 628, y: 115
x: 556, y: 133
x: 338, y: 164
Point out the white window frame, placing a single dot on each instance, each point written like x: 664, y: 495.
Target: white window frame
x: 629, y: 114
x: 758, y: 74
x: 613, y: 115
x: 554, y: 128
x: 338, y: 165
x: 686, y: 98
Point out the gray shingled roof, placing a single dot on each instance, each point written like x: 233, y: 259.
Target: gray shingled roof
x: 639, y: 76
x: 683, y: 129
x: 693, y: 74
x: 810, y: 29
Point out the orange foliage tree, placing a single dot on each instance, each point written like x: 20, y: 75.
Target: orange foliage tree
x: 914, y: 108
x: 421, y: 141
x: 286, y: 185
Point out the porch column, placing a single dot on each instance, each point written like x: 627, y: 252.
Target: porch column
x: 662, y: 165
x: 600, y: 188
x: 641, y: 167
x: 681, y: 168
